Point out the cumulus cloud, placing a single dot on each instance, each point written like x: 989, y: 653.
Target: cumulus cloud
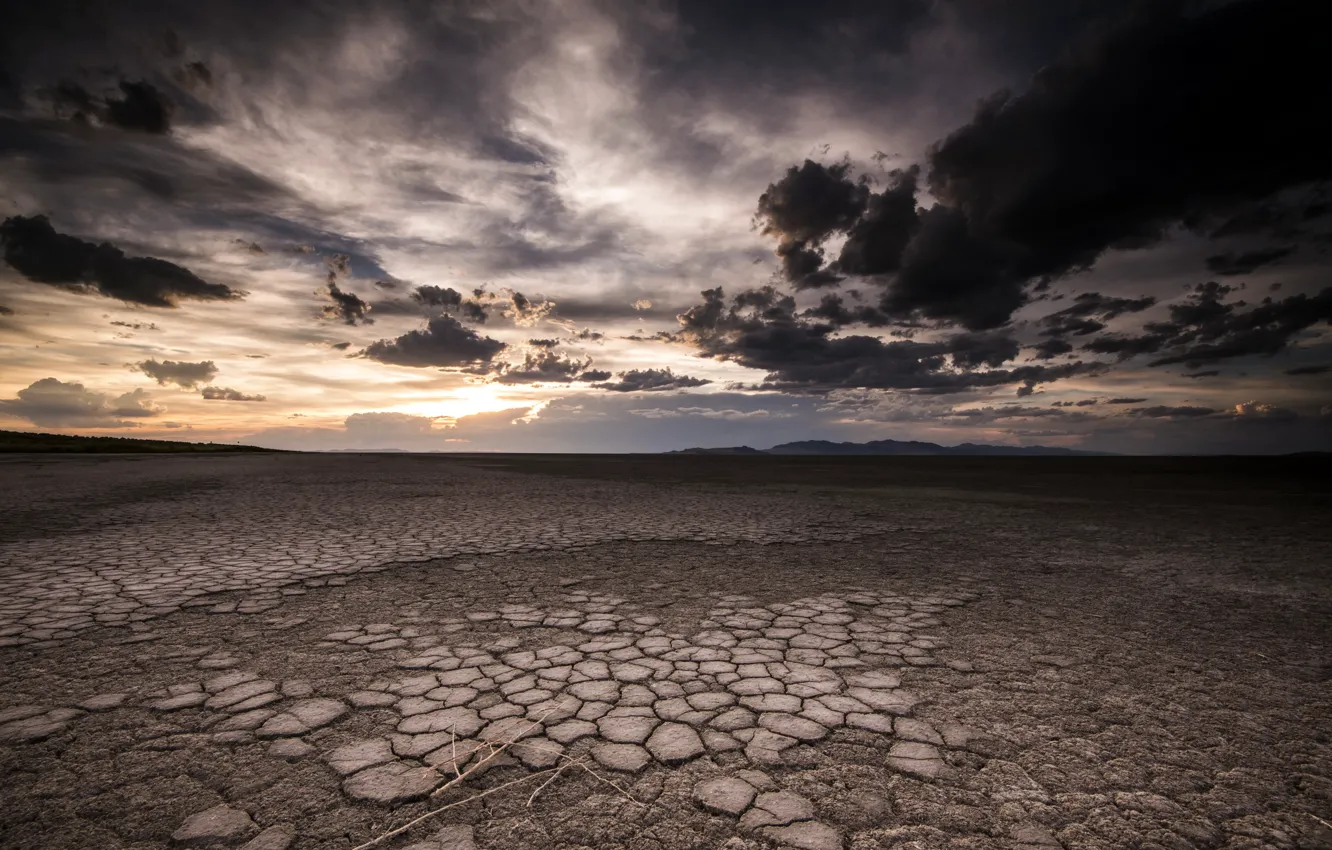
x: 52, y: 403
x: 543, y: 366
x: 443, y: 298
x: 228, y: 394
x: 180, y: 373
x: 651, y: 380
x: 444, y: 342
x: 41, y: 254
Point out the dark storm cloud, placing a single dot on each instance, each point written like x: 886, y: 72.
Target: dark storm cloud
x: 228, y: 394
x: 451, y: 81
x: 1309, y: 370
x: 158, y: 167
x: 807, y: 205
x: 832, y: 309
x: 1209, y: 373
x: 182, y: 374
x: 1078, y: 318
x: 1125, y: 401
x: 37, y: 251
x: 1205, y: 328
x: 651, y: 380
x: 1064, y: 173
x: 5, y: 311
x: 1048, y: 349
x: 595, y: 375
x: 930, y: 262
x: 760, y: 330
x: 443, y: 343
x: 1248, y: 262
x: 876, y: 242
x: 1041, y: 184
x: 51, y: 403
x: 138, y: 106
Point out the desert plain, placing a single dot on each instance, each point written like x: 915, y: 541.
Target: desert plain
x: 664, y: 652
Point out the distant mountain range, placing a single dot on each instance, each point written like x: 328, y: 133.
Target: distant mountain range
x: 894, y: 447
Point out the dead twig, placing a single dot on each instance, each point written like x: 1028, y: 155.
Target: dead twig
x: 430, y: 814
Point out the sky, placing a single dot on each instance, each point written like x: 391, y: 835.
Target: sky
x: 590, y: 226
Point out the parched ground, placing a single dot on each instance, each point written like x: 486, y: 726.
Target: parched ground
x: 306, y: 651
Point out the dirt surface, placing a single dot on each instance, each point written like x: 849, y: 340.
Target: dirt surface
x: 296, y: 651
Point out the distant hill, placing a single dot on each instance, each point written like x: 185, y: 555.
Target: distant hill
x: 896, y: 447
x: 21, y: 441
x: 733, y: 450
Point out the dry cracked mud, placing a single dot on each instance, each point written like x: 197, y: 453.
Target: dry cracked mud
x: 299, y: 651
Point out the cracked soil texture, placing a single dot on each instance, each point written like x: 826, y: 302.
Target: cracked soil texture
x: 297, y: 651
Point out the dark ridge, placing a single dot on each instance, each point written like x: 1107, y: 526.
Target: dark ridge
x: 22, y: 441
x: 897, y: 447
x: 729, y: 450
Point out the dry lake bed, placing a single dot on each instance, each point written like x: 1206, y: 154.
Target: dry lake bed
x: 313, y: 651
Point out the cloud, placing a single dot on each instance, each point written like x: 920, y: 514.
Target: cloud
x: 807, y: 205
x: 228, y: 394
x: 1059, y: 173
x: 1041, y: 184
x: 180, y: 373
x: 544, y: 366
x: 727, y: 414
x: 1309, y: 370
x: 43, y: 255
x: 651, y: 380
x: 1248, y: 262
x: 52, y: 403
x: 444, y: 298
x: 1164, y: 411
x: 140, y: 106
x: 1077, y: 320
x: 135, y: 404
x: 759, y: 329
x: 1205, y: 328
x: 444, y: 343
x: 346, y: 306
x: 1252, y: 411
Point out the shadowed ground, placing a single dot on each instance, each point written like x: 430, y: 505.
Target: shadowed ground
x: 295, y: 650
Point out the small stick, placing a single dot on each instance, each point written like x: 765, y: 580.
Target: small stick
x: 400, y: 830
x: 542, y: 786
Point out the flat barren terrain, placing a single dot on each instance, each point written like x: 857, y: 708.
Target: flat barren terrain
x: 313, y: 651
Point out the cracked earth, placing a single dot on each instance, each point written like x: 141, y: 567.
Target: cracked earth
x: 277, y: 652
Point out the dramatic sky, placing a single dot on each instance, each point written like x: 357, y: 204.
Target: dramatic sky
x: 592, y: 225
